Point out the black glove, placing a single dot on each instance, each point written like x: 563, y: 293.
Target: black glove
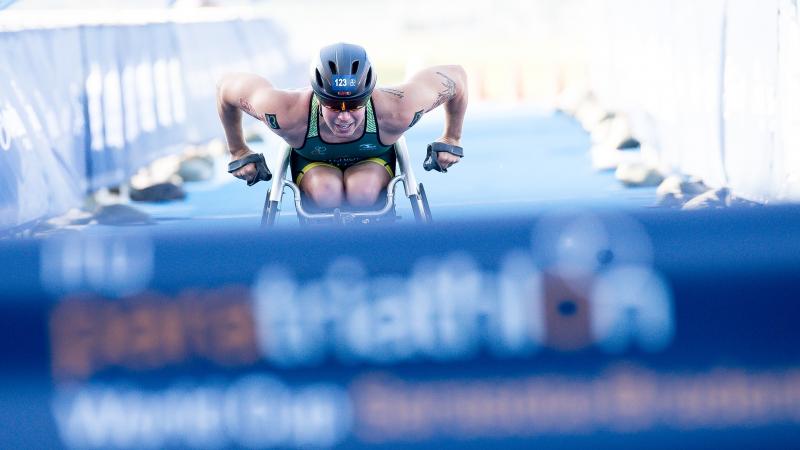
x: 432, y: 161
x: 261, y: 166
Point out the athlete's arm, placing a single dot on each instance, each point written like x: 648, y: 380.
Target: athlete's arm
x: 423, y: 92
x: 252, y: 94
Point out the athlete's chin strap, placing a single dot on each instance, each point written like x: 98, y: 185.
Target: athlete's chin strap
x: 261, y: 166
x: 432, y: 160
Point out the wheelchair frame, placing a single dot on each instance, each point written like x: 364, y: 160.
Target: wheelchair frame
x: 413, y: 190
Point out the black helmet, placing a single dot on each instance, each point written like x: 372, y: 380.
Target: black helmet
x: 342, y: 76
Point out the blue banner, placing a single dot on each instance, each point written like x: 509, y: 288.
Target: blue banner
x: 585, y: 330
x: 42, y: 170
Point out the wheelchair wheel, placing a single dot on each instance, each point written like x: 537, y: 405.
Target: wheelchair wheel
x: 420, y: 208
x: 270, y: 212
x: 425, y: 206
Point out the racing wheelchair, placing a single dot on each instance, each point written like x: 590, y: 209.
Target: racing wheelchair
x: 413, y: 190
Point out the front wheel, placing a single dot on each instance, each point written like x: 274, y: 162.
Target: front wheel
x: 425, y: 207
x: 270, y: 213
x: 419, y: 208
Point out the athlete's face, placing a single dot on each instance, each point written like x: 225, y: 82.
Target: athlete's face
x: 343, y: 123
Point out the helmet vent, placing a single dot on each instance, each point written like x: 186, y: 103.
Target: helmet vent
x: 319, y: 78
x: 369, y: 77
x: 332, y: 66
x: 354, y: 68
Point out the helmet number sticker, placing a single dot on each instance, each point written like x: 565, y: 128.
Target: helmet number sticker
x: 344, y: 84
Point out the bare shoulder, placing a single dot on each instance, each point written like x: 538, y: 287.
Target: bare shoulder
x: 393, y: 114
x: 401, y: 107
x: 284, y: 111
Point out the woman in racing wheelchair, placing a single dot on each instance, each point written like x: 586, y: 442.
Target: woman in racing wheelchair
x: 342, y: 130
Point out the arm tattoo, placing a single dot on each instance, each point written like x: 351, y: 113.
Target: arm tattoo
x: 248, y: 108
x: 269, y: 119
x: 417, y: 116
x: 445, y: 95
x: 272, y: 121
x: 396, y: 92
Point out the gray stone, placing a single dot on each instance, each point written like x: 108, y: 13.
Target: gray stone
x: 590, y: 115
x: 253, y: 137
x: 693, y: 187
x: 670, y: 200
x: 629, y: 143
x: 715, y: 198
x: 161, y: 192
x: 638, y: 174
x: 196, y: 169
x: 72, y: 217
x: 670, y: 186
x: 120, y: 214
x: 738, y: 202
x: 607, y: 157
x: 677, y: 188
x: 614, y: 131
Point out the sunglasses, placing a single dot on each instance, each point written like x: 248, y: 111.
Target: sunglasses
x: 344, y: 105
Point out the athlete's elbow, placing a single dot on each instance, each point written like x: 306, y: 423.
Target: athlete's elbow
x: 224, y: 84
x: 462, y: 73
x: 460, y: 77
x: 459, y: 74
x: 226, y: 95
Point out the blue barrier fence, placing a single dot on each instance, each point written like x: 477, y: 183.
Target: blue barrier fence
x: 43, y: 162
x: 83, y: 108
x: 582, y: 330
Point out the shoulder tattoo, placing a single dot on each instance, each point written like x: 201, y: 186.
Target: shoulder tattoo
x: 446, y: 94
x: 272, y: 121
x: 396, y: 92
x: 417, y: 116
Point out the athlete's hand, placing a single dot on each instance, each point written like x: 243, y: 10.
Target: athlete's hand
x: 248, y: 172
x: 448, y: 159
